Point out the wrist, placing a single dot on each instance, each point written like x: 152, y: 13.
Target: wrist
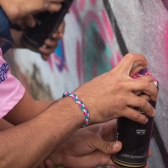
x: 68, y: 116
x: 83, y: 108
x: 89, y: 104
x: 73, y: 110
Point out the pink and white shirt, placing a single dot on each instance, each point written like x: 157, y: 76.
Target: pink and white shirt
x: 11, y: 90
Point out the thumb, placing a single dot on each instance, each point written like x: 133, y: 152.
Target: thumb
x: 106, y: 146
x: 29, y: 21
x: 49, y: 164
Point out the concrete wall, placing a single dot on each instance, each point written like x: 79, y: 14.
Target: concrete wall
x: 98, y: 33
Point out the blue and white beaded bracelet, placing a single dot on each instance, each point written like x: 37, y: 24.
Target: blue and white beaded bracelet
x: 81, y: 105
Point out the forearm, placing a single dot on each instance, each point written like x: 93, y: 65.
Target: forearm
x: 40, y: 136
x: 4, y: 125
x: 26, y: 109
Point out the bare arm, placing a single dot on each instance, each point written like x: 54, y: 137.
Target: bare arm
x: 4, y: 125
x: 107, y: 97
x: 26, y: 109
x: 39, y: 136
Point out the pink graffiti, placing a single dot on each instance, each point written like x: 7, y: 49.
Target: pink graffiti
x: 92, y: 17
x: 116, y: 60
x: 81, y: 4
x: 50, y: 62
x: 55, y: 60
x: 93, y: 2
x: 166, y: 44
x: 107, y: 24
x: 80, y: 64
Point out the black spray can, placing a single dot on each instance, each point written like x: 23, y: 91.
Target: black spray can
x: 135, y: 138
x: 46, y: 24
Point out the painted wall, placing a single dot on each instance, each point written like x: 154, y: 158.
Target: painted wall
x: 98, y: 33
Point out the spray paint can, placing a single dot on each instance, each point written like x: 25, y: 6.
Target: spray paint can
x: 46, y: 24
x: 135, y: 138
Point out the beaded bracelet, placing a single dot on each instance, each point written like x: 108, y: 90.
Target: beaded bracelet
x: 81, y: 105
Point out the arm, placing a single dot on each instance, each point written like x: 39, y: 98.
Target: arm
x: 89, y: 147
x: 4, y: 125
x: 120, y: 88
x: 40, y: 136
x: 107, y: 97
x: 26, y: 109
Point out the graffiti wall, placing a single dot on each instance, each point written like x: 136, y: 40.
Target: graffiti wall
x: 98, y: 34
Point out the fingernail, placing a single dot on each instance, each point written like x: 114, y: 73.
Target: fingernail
x: 48, y: 162
x: 44, y: 46
x: 154, y: 112
x: 115, y: 146
x: 146, y: 121
x: 30, y: 23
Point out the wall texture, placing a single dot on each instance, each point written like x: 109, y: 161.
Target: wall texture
x: 98, y: 34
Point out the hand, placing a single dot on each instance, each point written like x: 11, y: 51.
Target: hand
x: 47, y: 164
x: 17, y: 9
x: 89, y: 147
x: 50, y: 45
x: 111, y: 95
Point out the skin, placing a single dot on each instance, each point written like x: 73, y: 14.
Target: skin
x: 42, y: 132
x: 19, y: 9
x: 20, y: 12
x: 88, y: 147
x: 118, y: 88
x: 38, y: 128
x: 50, y: 43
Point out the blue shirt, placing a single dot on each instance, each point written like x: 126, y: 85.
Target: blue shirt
x: 5, y: 31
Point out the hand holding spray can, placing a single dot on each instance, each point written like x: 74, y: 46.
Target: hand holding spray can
x: 134, y: 136
x: 46, y: 24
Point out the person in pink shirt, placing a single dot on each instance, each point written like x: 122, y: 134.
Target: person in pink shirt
x: 10, y: 88
x: 48, y: 129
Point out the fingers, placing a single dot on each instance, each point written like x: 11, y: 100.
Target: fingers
x: 106, y: 146
x: 26, y: 21
x: 129, y: 60
x: 29, y: 21
x: 150, y: 88
x: 45, y: 52
x: 142, y: 104
x: 135, y: 115
x: 108, y: 131
x: 149, y: 153
x: 144, y: 84
x: 49, y: 164
x: 61, y: 29
x: 51, y: 44
x: 54, y: 5
x: 135, y: 69
x: 145, y: 96
x: 48, y: 48
x: 42, y: 166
